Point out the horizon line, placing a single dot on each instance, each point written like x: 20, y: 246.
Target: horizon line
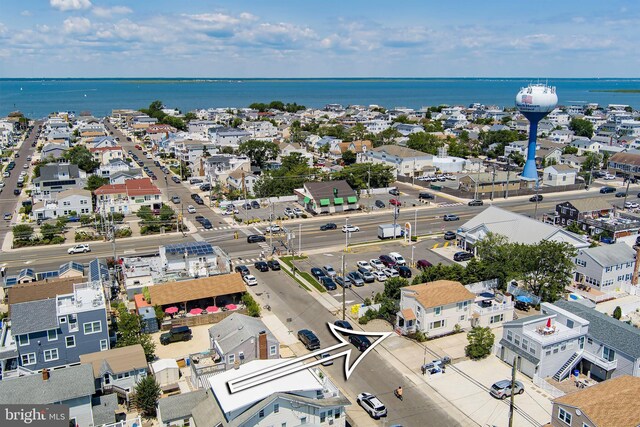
x: 316, y: 78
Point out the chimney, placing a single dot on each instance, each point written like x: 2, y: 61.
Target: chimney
x: 262, y: 345
x: 45, y: 374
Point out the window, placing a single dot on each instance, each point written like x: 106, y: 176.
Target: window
x: 437, y: 324
x: 509, y: 336
x: 272, y: 350
x: 564, y: 416
x: 231, y: 358
x: 28, y: 359
x: 73, y: 323
x: 581, y: 342
x: 92, y: 327
x: 71, y: 341
x: 517, y: 340
x: 608, y: 354
x: 51, y: 354
x: 462, y: 317
x: 532, y: 350
x: 337, y: 413
x: 547, y: 352
x: 497, y: 318
x: 323, y: 417
x: 563, y: 346
x: 303, y: 420
x: 581, y: 262
x: 569, y: 323
x: 276, y: 408
x: 525, y: 343
x: 241, y: 355
x: 261, y: 413
x: 63, y: 319
x: 52, y: 335
x: 463, y: 305
x: 437, y: 311
x: 104, y: 345
x: 23, y: 339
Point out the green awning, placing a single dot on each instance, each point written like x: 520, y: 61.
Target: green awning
x: 352, y: 199
x: 324, y: 202
x: 306, y: 200
x: 338, y: 201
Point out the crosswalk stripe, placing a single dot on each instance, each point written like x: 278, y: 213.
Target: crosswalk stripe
x: 435, y: 246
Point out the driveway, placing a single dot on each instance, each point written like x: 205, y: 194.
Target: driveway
x: 199, y: 342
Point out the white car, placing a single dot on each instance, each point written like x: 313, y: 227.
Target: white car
x: 372, y: 405
x: 191, y: 209
x: 79, y: 249
x: 350, y: 228
x: 250, y: 280
x: 379, y: 275
x: 390, y: 272
x: 297, y: 211
x: 25, y: 166
x: 365, y: 265
x: 631, y: 205
x: 397, y: 258
x: 609, y: 177
x: 272, y: 229
x: 377, y: 264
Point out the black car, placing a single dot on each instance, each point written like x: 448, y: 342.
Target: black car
x: 606, y: 190
x: 17, y: 192
x: 247, y: 206
x: 242, y: 269
x: 343, y: 324
x: 462, y: 256
x: 199, y: 218
x: 521, y: 305
x: 328, y: 226
x: 361, y: 343
x: 317, y: 273
x: 205, y: 187
x: 476, y: 202
x: 261, y: 265
x: 621, y: 194
x: 273, y: 265
x: 379, y: 204
x: 255, y: 238
x: 449, y: 235
x: 329, y: 284
x: 176, y: 179
x: 255, y: 204
x: 206, y: 224
x: 175, y: 334
x: 157, y: 163
x: 426, y: 196
x: 394, y: 191
x: 404, y: 271
x: 309, y: 339
x: 536, y: 198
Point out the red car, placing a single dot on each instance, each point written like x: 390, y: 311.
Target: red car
x: 395, y: 202
x: 138, y: 147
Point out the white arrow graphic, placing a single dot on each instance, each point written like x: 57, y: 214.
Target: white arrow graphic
x: 290, y: 366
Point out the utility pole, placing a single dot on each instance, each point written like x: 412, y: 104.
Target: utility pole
x: 396, y: 210
x: 475, y: 197
x: 344, y: 287
x: 369, y: 187
x: 493, y: 181
x: 244, y: 192
x: 300, y: 239
x: 506, y: 194
x: 626, y: 193
x: 513, y: 395
x: 535, y: 213
x: 636, y: 267
x: 415, y: 224
x: 270, y: 227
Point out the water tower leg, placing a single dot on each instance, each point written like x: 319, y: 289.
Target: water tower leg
x: 530, y: 170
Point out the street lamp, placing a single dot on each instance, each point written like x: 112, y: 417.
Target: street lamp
x: 346, y: 234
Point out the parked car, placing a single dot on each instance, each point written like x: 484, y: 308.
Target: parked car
x: 250, y: 280
x: 372, y: 405
x: 175, y: 334
x: 366, y: 275
x: 360, y: 342
x: 273, y: 265
x: 449, y: 235
x: 423, y: 263
x: 630, y: 205
x: 397, y: 258
x: 328, y: 226
x: 426, y: 196
x: 317, y: 273
x: 379, y: 204
x: 451, y: 217
x: 261, y: 265
x: 328, y: 283
x: 390, y: 272
x: 350, y: 228
x: 191, y: 209
x: 462, y: 256
x: 387, y: 261
x: 8, y: 216
x: 621, y: 194
x: 288, y: 211
x: 255, y: 204
x: 394, y: 192
x: 343, y: 281
x: 376, y: 264
x: 364, y: 264
x: 606, y: 190
x: 343, y: 324
x: 79, y: 249
x: 175, y: 200
x: 502, y: 389
x: 404, y: 271
x: 256, y: 238
x: 17, y: 192
x: 476, y: 202
x: 395, y: 202
x: 536, y: 198
x: 173, y: 178
x: 379, y: 275
x: 609, y: 177
x: 205, y: 187
x: 325, y: 356
x: 329, y: 271
x: 297, y: 211
x: 355, y: 278
x: 242, y: 269
x: 309, y: 339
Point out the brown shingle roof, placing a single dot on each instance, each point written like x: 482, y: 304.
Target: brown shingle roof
x: 596, y: 402
x: 42, y: 290
x: 627, y: 158
x: 440, y: 292
x: 189, y: 290
x: 116, y: 360
x: 408, y: 314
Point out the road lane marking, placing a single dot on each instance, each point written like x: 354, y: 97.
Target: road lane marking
x: 435, y: 246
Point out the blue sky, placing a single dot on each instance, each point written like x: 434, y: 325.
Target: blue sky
x: 304, y: 38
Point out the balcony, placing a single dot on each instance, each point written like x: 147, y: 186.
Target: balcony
x: 604, y: 364
x: 496, y: 308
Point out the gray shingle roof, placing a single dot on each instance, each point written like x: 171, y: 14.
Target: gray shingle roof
x: 608, y: 255
x: 104, y: 409
x: 324, y: 190
x: 236, y: 329
x: 51, y: 172
x: 63, y: 384
x: 590, y: 204
x: 612, y: 332
x: 179, y: 407
x: 33, y: 316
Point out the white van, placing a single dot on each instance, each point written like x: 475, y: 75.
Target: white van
x: 397, y: 258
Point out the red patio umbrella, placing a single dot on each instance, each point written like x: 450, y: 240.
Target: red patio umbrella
x: 548, y: 322
x: 231, y: 306
x: 195, y: 311
x: 212, y: 309
x: 171, y: 310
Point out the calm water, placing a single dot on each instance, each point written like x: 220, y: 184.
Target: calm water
x: 39, y: 97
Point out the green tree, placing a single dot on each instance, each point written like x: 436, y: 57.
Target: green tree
x: 49, y: 231
x: 359, y: 174
x: 592, y: 161
x: 617, y: 313
x: 236, y: 122
x: 581, y: 127
x: 189, y: 117
x: 259, y: 151
x: 499, y: 256
x: 424, y: 142
x: 337, y: 131
x: 349, y: 157
x: 293, y: 173
x: 547, y: 267
x: 146, y: 395
x: 517, y: 158
x: 387, y: 136
x: 22, y: 232
x: 569, y: 150
x: 130, y: 333
x: 480, y: 343
x: 253, y: 309
x: 166, y: 213
x: 392, y: 287
x: 357, y: 132
x: 95, y: 181
x: 500, y: 137
x: 81, y: 156
x: 145, y: 213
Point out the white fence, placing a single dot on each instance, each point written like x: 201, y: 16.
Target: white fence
x: 548, y: 388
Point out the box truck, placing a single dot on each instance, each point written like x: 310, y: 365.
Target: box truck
x: 388, y: 231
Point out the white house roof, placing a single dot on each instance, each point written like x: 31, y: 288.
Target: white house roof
x: 304, y: 380
x: 518, y: 228
x: 162, y: 364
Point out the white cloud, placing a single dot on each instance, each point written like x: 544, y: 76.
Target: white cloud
x: 76, y: 25
x: 108, y: 12
x: 65, y: 5
x: 25, y: 13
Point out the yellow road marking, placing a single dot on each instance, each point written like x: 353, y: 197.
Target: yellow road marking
x: 435, y: 246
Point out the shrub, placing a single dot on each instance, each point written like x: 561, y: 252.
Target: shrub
x: 418, y: 336
x: 617, y: 313
x: 123, y: 232
x: 253, y: 309
x: 480, y: 343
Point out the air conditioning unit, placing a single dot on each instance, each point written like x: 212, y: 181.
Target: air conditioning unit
x: 330, y: 421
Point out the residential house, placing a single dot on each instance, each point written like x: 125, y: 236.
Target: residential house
x: 65, y: 327
x: 117, y: 370
x: 141, y: 123
x: 357, y: 147
x: 54, y: 151
x: 72, y: 386
x: 191, y: 153
x: 128, y: 197
x: 568, y: 335
x: 605, y: 267
x: 228, y: 137
x: 177, y: 411
x: 70, y: 270
x: 626, y: 163
x: 261, y: 130
x: 120, y: 177
x: 159, y: 132
x: 64, y: 203
x: 239, y: 339
x: 585, y: 145
x: 112, y: 166
x: 57, y: 177
x: 59, y: 136
x: 376, y: 126
x: 218, y: 167
x: 407, y: 129
x: 327, y: 197
x: 287, y: 148
x: 518, y: 147
x: 559, y: 175
x: 593, y: 406
x: 572, y: 160
x: 405, y: 161
x: 562, y: 136
x: 104, y: 155
x: 201, y: 126
x: 103, y: 142
x: 595, y: 215
x: 242, y: 181
x: 515, y: 227
x: 303, y: 397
